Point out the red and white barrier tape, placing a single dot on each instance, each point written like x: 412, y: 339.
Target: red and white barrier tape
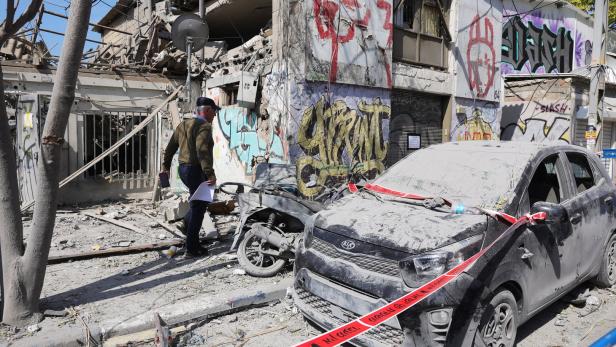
x: 500, y: 216
x: 366, y: 322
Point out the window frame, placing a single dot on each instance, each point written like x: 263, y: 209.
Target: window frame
x: 561, y: 176
x: 573, y: 186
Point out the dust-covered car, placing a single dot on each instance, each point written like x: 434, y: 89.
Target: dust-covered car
x: 369, y: 249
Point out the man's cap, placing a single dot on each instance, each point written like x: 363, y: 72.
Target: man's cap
x: 203, y: 101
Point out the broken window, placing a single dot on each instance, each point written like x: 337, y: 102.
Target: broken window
x: 421, y: 33
x: 544, y: 186
x: 582, y: 173
x: 102, y: 131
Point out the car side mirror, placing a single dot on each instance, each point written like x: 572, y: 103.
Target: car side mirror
x: 556, y: 214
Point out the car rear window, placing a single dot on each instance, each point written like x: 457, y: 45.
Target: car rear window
x: 484, y: 178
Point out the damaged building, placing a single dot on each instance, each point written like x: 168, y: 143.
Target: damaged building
x: 322, y: 84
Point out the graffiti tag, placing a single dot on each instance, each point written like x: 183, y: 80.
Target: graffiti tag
x: 481, y: 56
x: 476, y: 128
x: 330, y: 26
x: 537, y: 46
x: 331, y: 131
x: 555, y: 129
x: 249, y: 141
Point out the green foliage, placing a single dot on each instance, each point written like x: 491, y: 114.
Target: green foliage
x: 587, y: 5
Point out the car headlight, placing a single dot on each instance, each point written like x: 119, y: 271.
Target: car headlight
x: 419, y: 269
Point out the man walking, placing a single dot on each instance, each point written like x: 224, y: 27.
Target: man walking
x: 194, y: 139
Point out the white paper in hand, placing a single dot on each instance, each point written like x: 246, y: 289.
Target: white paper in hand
x: 205, y: 192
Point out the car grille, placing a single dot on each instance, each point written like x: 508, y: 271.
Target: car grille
x: 378, y: 265
x: 384, y: 334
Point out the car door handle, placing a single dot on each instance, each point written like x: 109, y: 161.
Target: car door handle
x: 576, y: 218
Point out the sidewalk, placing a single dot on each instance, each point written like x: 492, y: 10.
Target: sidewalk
x: 114, y: 296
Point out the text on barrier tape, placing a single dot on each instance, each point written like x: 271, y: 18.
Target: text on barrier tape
x: 366, y: 322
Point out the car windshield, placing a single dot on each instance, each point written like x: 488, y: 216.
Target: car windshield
x: 482, y: 177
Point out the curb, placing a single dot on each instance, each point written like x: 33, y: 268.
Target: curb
x: 199, y: 307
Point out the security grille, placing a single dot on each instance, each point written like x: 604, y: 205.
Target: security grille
x: 102, y: 131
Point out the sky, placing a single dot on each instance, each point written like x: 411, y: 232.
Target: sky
x: 54, y: 42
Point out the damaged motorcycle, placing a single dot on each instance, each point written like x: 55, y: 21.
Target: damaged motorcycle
x: 272, y: 215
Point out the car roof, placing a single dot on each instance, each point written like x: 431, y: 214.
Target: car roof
x: 519, y: 147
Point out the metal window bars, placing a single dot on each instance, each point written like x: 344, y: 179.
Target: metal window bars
x: 131, y: 160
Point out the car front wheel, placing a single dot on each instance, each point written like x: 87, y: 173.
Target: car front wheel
x: 607, y: 274
x: 499, y: 322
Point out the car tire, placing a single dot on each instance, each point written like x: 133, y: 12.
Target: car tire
x: 607, y: 273
x: 499, y: 321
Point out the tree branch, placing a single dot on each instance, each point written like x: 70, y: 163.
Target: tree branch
x: 10, y: 27
x: 29, y: 14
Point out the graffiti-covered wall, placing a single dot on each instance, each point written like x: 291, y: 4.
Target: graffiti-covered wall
x: 477, y: 50
x: 337, y: 127
x: 538, y: 110
x: 546, y: 39
x: 475, y: 120
x: 350, y: 41
x: 245, y: 137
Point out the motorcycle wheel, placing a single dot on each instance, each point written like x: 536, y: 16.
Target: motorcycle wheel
x: 254, y: 261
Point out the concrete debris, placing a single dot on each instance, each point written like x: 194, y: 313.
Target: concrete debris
x: 577, y: 297
x: 233, y: 319
x: 162, y: 236
x: 124, y: 243
x: 239, y: 272
x: 125, y: 272
x: 560, y: 322
x: 196, y: 340
x: 33, y: 328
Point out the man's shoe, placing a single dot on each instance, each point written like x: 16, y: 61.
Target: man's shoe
x: 199, y: 252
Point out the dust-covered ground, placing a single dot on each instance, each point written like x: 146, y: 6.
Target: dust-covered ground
x: 101, y: 289
x: 561, y: 324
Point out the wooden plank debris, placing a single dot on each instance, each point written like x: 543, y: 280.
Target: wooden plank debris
x: 118, y: 223
x: 114, y: 251
x: 165, y: 226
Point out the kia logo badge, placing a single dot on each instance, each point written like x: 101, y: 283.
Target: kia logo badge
x: 347, y: 244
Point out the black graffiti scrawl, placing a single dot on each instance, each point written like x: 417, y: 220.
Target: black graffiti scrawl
x: 538, y: 46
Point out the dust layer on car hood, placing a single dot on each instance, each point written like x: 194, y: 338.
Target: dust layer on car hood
x: 482, y: 174
x: 397, y: 225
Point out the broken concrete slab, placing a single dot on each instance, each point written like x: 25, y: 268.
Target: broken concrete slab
x: 199, y: 307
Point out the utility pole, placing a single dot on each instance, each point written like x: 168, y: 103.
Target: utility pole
x: 597, y: 71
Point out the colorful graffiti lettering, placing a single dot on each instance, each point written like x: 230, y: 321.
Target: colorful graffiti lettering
x: 338, y: 22
x: 248, y: 140
x: 331, y: 131
x: 476, y: 129
x: 325, y: 13
x: 475, y: 121
x: 539, y: 46
x: 481, y: 57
